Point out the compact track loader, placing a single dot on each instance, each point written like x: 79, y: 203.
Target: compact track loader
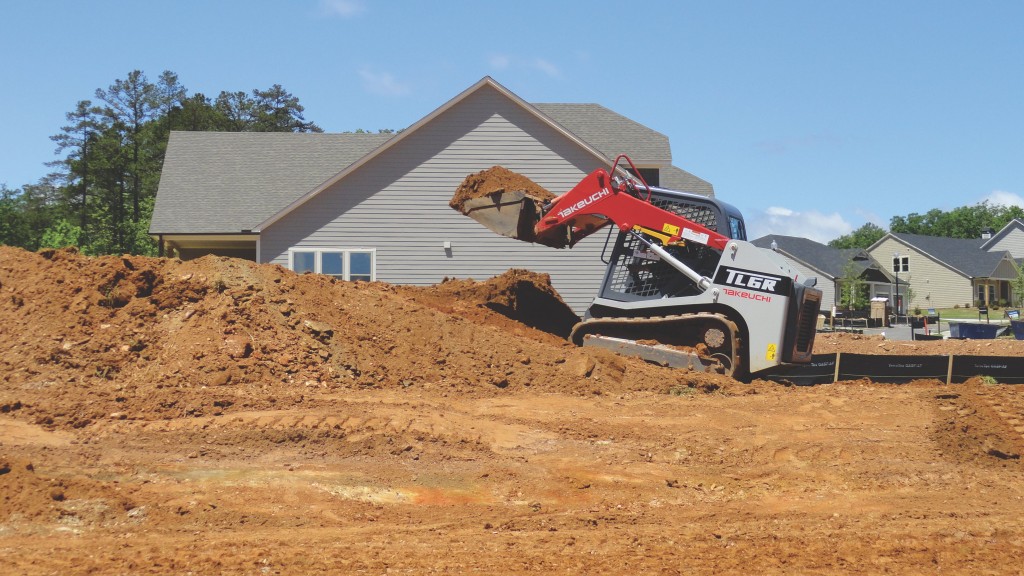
x: 683, y: 286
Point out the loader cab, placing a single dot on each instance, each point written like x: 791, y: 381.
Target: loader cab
x: 709, y: 212
x: 635, y: 274
x: 737, y: 229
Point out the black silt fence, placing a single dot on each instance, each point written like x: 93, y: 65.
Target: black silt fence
x: 892, y: 369
x: 820, y: 370
x: 828, y: 368
x: 1005, y: 370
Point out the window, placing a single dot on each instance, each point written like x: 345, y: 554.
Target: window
x: 304, y: 262
x: 340, y: 264
x: 360, y: 266
x: 333, y: 264
x: 901, y: 264
x: 737, y: 229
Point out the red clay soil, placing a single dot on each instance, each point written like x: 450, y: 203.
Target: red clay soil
x: 495, y: 180
x: 218, y: 416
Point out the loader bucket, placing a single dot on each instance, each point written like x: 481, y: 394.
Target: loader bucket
x: 505, y: 202
x: 512, y: 214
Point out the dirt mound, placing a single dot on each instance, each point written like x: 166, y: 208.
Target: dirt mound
x: 493, y: 180
x: 91, y: 339
x: 520, y: 295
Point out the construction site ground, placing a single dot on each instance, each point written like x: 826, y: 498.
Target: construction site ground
x: 219, y: 417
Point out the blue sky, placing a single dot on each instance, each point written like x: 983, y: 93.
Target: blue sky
x: 811, y: 117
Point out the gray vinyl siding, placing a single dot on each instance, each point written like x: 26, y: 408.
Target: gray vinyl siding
x: 934, y: 284
x: 1012, y: 242
x: 1004, y: 271
x: 397, y: 203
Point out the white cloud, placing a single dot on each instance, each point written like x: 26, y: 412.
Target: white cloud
x: 582, y: 55
x: 382, y: 83
x: 547, y: 67
x: 810, y: 224
x: 778, y: 212
x: 506, y: 61
x: 499, y: 61
x: 343, y: 8
x: 1003, y: 198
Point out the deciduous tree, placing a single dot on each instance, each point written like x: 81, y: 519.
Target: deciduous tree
x: 862, y: 237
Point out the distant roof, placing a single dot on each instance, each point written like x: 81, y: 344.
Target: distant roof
x: 963, y: 255
x: 254, y: 174
x: 831, y: 261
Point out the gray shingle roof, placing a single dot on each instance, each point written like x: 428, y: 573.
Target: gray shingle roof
x: 678, y: 179
x: 226, y: 182
x: 612, y: 134
x: 964, y: 255
x: 831, y: 261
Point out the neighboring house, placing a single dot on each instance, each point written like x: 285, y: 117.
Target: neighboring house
x: 375, y: 207
x: 947, y: 272
x: 830, y: 266
x: 1010, y: 239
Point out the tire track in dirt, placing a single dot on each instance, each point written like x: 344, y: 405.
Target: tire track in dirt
x: 407, y: 427
x: 981, y: 423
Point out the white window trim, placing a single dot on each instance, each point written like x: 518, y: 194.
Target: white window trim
x: 346, y: 262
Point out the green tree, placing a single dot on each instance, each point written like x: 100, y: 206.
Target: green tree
x: 1018, y: 285
x: 853, y: 290
x: 271, y: 110
x: 26, y: 212
x: 84, y: 123
x: 277, y: 110
x: 61, y: 235
x: 237, y: 109
x: 910, y: 297
x: 197, y: 114
x: 130, y: 105
x: 862, y: 237
x: 14, y: 231
x: 961, y: 222
x: 112, y: 149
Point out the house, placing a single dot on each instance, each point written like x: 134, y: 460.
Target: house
x: 947, y: 272
x: 830, y: 266
x: 1010, y: 239
x: 375, y: 207
x: 931, y: 271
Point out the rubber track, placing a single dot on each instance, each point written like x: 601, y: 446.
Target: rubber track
x: 607, y: 326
